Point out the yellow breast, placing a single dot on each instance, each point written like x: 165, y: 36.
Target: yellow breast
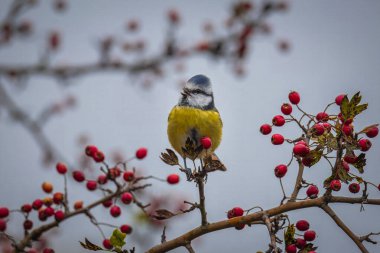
x: 184, y: 122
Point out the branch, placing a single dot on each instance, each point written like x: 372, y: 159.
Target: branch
x: 272, y: 245
x: 202, y: 198
x: 298, y: 184
x: 368, y: 237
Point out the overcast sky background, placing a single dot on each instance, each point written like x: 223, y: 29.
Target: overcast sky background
x: 335, y: 49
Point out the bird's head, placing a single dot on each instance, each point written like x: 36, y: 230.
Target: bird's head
x: 197, y: 93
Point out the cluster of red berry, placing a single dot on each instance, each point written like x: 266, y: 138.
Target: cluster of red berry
x: 302, y: 243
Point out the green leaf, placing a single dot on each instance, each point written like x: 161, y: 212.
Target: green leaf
x: 314, y: 156
x: 352, y: 108
x: 343, y: 175
x: 360, y: 163
x: 344, y: 107
x: 327, y: 182
x: 359, y: 109
x: 117, y: 239
x: 289, y: 234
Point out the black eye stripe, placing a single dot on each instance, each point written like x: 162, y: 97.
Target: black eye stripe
x: 199, y: 91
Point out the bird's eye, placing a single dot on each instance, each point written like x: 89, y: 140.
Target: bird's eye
x: 197, y: 91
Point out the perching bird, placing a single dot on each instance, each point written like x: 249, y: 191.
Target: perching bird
x: 195, y: 116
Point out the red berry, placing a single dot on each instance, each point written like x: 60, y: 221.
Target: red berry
x: 141, y: 153
x: 48, y: 201
x: 173, y: 16
x: 348, y: 121
x: 364, y: 144
x: 54, y: 40
x: 91, y: 150
x: 240, y: 226
x: 294, y: 97
x: 107, y: 203
x: 373, y: 132
x: 37, y: 204
x: 327, y: 126
x: 3, y: 225
x: 115, y: 211
x: 339, y: 99
x: 301, y: 150
x: 102, y: 179
x: 42, y: 215
x: 280, y: 170
x: 350, y: 158
x: 78, y: 205
x: 277, y: 139
x: 206, y: 142
x: 114, y: 173
x: 128, y: 176
x: 309, y: 235
x: 302, y: 143
x: 300, y: 243
x: 126, y: 198
x: 335, y: 185
x: 291, y: 248
x: 49, y: 211
x: 354, y: 187
x: 59, y: 215
x: 48, y: 250
x: 347, y: 129
x: 4, y: 212
x: 235, y: 212
x: 28, y: 224
x: 322, y: 116
x: 126, y: 229
x: 265, y: 129
x: 302, y: 225
x: 26, y: 208
x: 318, y: 129
x: 133, y: 25
x: 286, y: 109
x: 378, y: 187
x: 61, y: 168
x: 78, y: 176
x: 172, y: 179
x: 107, y: 244
x: 99, y: 156
x: 47, y: 187
x: 312, y: 191
x: 345, y: 166
x: 278, y: 120
x: 58, y: 198
x: 91, y: 185
x: 307, y: 161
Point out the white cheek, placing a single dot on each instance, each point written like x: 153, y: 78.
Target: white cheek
x: 200, y: 100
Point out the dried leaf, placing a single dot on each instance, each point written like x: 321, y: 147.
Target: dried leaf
x: 89, y: 245
x: 169, y: 158
x: 213, y: 163
x: 343, y: 175
x: 163, y: 214
x: 327, y: 182
x: 314, y: 156
x: 191, y: 150
x: 117, y: 238
x: 360, y: 163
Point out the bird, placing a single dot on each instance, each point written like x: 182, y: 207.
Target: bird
x: 195, y: 116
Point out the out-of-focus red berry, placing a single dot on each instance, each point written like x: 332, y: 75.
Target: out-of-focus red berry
x: 291, y: 248
x: 59, y: 215
x: 4, y: 212
x: 26, y: 208
x: 3, y: 225
x: 37, y: 204
x: 102, y: 179
x: 322, y: 116
x: 172, y: 179
x: 126, y: 229
x: 91, y: 150
x: 302, y: 225
x: 91, y: 185
x: 78, y: 204
x: 206, y: 142
x: 78, y: 176
x: 47, y: 187
x: 128, y: 176
x: 309, y: 235
x: 61, y: 168
x: 115, y: 211
x: 107, y: 244
x: 99, y: 156
x: 126, y: 198
x: 141, y: 153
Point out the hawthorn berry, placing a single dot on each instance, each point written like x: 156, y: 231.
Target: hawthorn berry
x: 48, y: 201
x: 280, y: 170
x: 277, y: 139
x: 327, y: 126
x: 300, y: 243
x: 141, y: 153
x: 286, y: 109
x: 47, y: 187
x: 291, y: 248
x: 348, y: 121
x: 294, y: 97
x: 266, y: 129
x: 126, y: 198
x: 91, y: 185
x: 58, y: 197
x: 3, y: 225
x: 345, y: 166
x: 347, y: 129
x: 78, y: 204
x: 302, y: 225
x: 54, y: 40
x: 302, y: 142
x: 26, y: 208
x: 114, y: 173
x: 115, y: 211
x: 49, y: 211
x: 278, y: 120
x: 102, y: 179
x: 335, y: 185
x: 59, y: 215
x: 373, y: 132
x: 42, y: 215
x: 126, y: 229
x: 206, y: 142
x: 312, y: 191
x: 128, y: 176
x: 172, y: 179
x: 107, y: 203
x: 99, y: 156
x: 339, y: 99
x: 364, y: 144
x: 307, y: 161
x: 354, y: 187
x: 301, y: 150
x: 350, y: 158
x: 240, y: 226
x: 322, y: 116
x: 235, y: 212
x: 309, y: 235
x: 37, y: 204
x: 48, y: 250
x: 107, y: 244
x: 318, y: 129
x: 91, y: 150
x: 61, y: 168
x: 28, y: 224
x: 78, y: 176
x: 4, y: 212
